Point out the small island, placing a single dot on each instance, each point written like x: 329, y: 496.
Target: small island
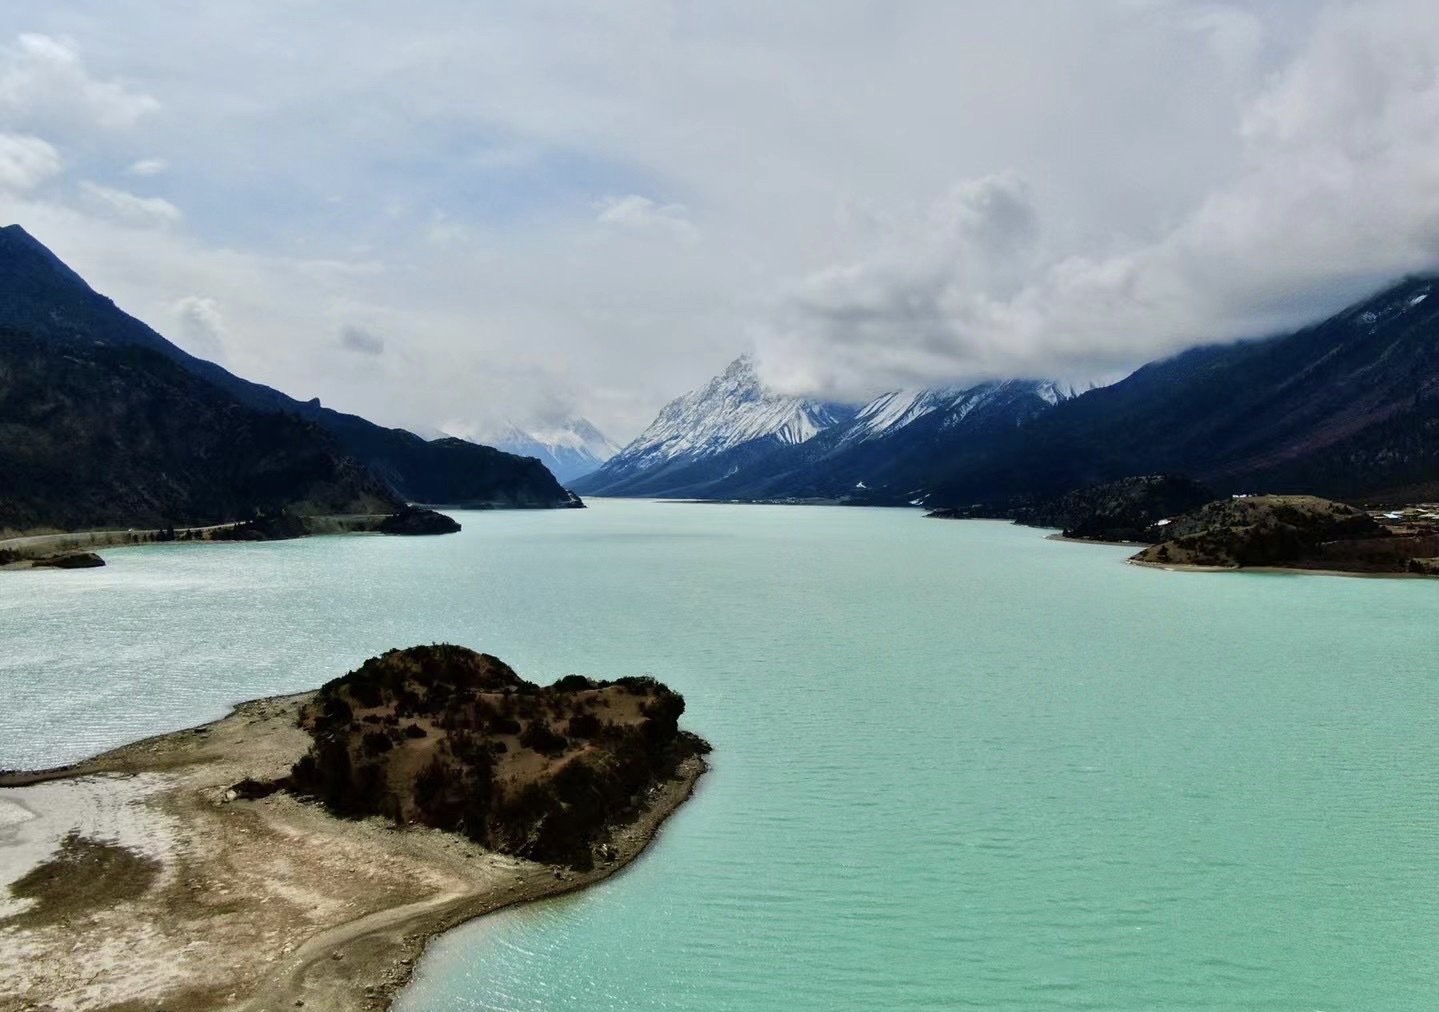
x: 302, y: 850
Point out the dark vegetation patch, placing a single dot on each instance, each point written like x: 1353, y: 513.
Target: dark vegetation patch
x: 85, y: 875
x: 269, y: 525
x: 1123, y: 510
x: 1300, y: 532
x: 447, y: 737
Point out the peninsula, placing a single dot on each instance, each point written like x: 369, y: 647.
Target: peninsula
x: 1299, y: 532
x: 301, y: 851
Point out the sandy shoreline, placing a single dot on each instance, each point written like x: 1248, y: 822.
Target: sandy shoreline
x: 1286, y: 570
x: 133, y: 880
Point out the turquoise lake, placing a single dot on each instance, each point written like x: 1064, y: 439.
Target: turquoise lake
x: 956, y: 765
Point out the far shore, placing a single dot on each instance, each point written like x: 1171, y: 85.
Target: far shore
x: 28, y: 547
x: 138, y: 879
x: 1060, y: 536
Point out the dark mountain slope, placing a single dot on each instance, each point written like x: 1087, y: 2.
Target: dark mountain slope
x: 447, y: 471
x: 120, y: 436
x: 1348, y: 407
x: 41, y: 296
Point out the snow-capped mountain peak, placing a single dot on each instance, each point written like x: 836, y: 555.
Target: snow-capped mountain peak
x: 570, y: 449
x: 733, y: 408
x: 577, y: 434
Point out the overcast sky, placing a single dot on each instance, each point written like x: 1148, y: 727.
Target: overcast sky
x: 443, y: 212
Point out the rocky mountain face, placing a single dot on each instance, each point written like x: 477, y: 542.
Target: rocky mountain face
x: 570, y: 450
x: 43, y: 298
x: 1348, y: 407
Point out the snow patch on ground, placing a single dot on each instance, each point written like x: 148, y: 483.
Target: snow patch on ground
x: 35, y: 820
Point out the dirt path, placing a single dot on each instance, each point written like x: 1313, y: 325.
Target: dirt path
x: 32, y: 545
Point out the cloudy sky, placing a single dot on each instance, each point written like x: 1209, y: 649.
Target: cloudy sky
x: 441, y: 213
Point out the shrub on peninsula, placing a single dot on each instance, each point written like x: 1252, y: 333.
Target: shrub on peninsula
x: 465, y: 759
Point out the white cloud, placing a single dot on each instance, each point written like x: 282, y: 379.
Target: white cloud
x: 633, y: 213
x: 26, y: 162
x: 1338, y: 193
x: 200, y: 326
x: 130, y: 208
x: 43, y: 81
x: 147, y: 167
x: 1235, y: 35
x: 921, y: 191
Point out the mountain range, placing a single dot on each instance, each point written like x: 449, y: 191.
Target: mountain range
x: 734, y: 438
x: 1346, y: 407
x: 104, y: 422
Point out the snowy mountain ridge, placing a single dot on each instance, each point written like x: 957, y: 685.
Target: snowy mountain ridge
x: 890, y: 412
x: 735, y: 434
x: 731, y: 409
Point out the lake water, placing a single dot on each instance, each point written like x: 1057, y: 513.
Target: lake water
x: 956, y: 765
